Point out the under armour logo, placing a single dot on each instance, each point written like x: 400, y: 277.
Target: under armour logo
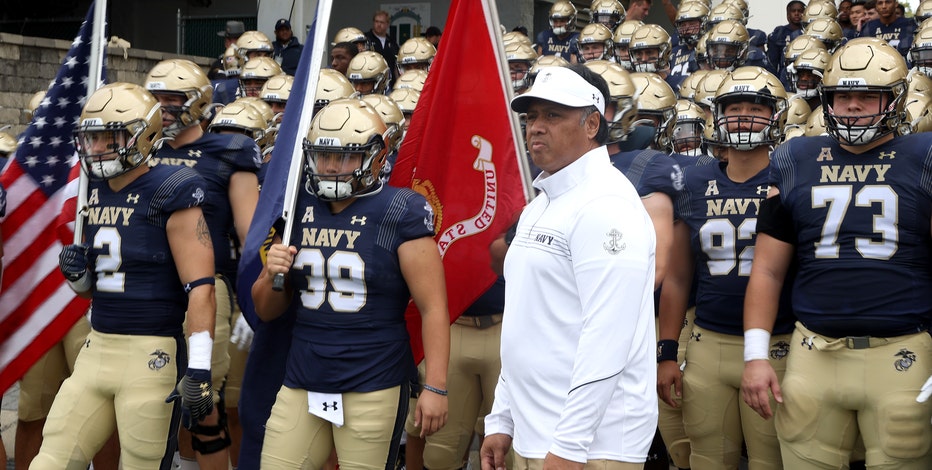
x: 134, y: 198
x: 194, y: 153
x: 360, y: 220
x: 889, y: 155
x: 327, y: 407
x: 596, y: 98
x: 205, y: 389
x: 695, y: 336
x: 612, y: 246
x: 763, y: 189
x: 87, y: 343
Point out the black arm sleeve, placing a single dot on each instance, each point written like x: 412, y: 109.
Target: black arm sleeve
x: 775, y: 220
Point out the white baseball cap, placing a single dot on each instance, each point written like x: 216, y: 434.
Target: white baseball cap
x: 562, y: 86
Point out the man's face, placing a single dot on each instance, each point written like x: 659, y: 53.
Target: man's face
x: 593, y: 51
x: 688, y: 27
x: 380, y: 25
x: 866, y: 106
x: 807, y: 80
x: 648, y: 55
x: 638, y: 10
x: 844, y: 11
x: 252, y: 86
x: 745, y: 116
x: 794, y: 15
x: 283, y: 34
x: 169, y: 103
x: 555, y: 137
x: 339, y: 60
x: 518, y: 70
x: 871, y: 15
x: 886, y: 9
x: 856, y: 13
x: 364, y: 87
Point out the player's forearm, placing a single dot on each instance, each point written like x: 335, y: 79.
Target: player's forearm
x: 670, y: 9
x: 202, y: 308
x: 270, y: 304
x: 674, y: 297
x: 435, y: 330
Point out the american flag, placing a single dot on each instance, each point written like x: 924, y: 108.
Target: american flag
x: 37, y: 307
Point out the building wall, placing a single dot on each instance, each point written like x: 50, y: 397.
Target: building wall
x: 29, y: 64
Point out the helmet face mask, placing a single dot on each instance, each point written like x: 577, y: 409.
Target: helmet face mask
x: 727, y: 45
x: 749, y: 109
x: 184, y: 91
x: 650, y: 49
x: 368, y: 72
x: 117, y: 131
x: 609, y: 13
x: 345, y: 150
x: 686, y: 138
x: 864, y: 92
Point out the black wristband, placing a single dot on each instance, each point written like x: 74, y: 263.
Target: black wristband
x: 436, y: 390
x: 666, y: 350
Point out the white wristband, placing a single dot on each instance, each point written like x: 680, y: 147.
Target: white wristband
x: 200, y: 345
x: 756, y: 344
x: 83, y: 284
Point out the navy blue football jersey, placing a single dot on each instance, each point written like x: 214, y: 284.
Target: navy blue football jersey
x: 682, y: 64
x: 650, y: 171
x: 722, y: 219
x: 777, y: 41
x: 216, y: 157
x: 350, y: 334
x: 137, y: 288
x: 898, y: 34
x: 225, y: 90
x: 862, y: 224
x: 550, y: 44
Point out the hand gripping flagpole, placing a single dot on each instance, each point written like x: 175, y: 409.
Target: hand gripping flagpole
x: 94, y: 71
x: 321, y: 21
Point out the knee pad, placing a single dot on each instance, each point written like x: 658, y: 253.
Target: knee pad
x: 218, y: 436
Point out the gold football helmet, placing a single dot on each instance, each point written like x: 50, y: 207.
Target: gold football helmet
x: 798, y: 45
x: 515, y: 36
x: 756, y: 85
x: 690, y: 16
x: 686, y: 138
x: 919, y: 112
x: 722, y: 12
x: 819, y: 10
x: 792, y: 132
x: 797, y: 111
x: 520, y: 59
x: 806, y: 73
x: 591, y: 37
x: 253, y: 44
x: 7, y: 144
x: 923, y: 11
x: 255, y: 73
x: 607, y: 12
x: 331, y: 85
x: 918, y: 82
x: 34, y: 104
x: 826, y: 30
x: 702, y: 54
x: 277, y: 89
x: 393, y: 117
x: 184, y: 78
x: 562, y: 11
x: 688, y: 86
x: 232, y: 62
x: 413, y: 78
x: 815, y: 125
x: 368, y: 72
x: 621, y: 93
x: 656, y: 103
x: 920, y: 54
x: 122, y: 120
x: 740, y: 5
x: 345, y: 150
x: 865, y: 65
x: 727, y: 45
x: 242, y: 118
x: 352, y: 35
x: 622, y: 39
x: 650, y: 49
x: 707, y: 88
x: 406, y: 99
x: 416, y: 53
x: 545, y: 61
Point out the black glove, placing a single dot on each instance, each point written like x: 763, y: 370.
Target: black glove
x: 195, y: 392
x: 73, y: 261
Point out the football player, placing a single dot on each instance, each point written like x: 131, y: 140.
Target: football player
x: 255, y: 73
x: 688, y: 23
x: 713, y: 248
x: 350, y: 368
x: 228, y: 163
x: 369, y: 73
x: 140, y: 289
x: 852, y: 211
x: 560, y: 39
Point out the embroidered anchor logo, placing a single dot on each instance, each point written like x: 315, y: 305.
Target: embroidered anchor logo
x: 613, y: 246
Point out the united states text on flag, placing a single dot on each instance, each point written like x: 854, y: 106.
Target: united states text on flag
x: 37, y: 307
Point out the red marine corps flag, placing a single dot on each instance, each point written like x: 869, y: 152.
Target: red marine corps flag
x: 462, y: 154
x: 37, y: 307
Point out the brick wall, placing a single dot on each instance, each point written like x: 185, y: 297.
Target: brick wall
x: 29, y: 64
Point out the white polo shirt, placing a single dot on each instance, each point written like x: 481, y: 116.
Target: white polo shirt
x: 578, y: 349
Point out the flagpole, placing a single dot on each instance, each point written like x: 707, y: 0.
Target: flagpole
x: 94, y: 72
x: 293, y: 185
x: 499, y: 47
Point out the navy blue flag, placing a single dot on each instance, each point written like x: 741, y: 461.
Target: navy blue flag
x: 37, y: 307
